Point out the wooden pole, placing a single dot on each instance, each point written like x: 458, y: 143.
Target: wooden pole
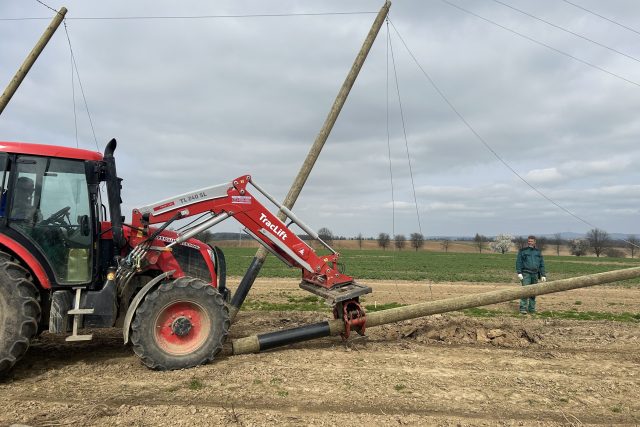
x: 31, y: 58
x: 312, y: 156
x: 252, y: 344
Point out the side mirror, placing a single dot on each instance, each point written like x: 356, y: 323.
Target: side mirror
x: 85, y: 228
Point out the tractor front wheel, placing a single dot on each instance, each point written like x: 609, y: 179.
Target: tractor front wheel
x: 181, y: 324
x: 19, y: 311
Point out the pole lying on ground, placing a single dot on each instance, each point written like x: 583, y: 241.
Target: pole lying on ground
x: 312, y: 156
x: 257, y: 343
x: 31, y: 58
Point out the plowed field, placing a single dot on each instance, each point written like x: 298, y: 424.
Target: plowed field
x: 443, y: 370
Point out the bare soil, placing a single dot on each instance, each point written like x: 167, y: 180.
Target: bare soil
x: 448, y: 370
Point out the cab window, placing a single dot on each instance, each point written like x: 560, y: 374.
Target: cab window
x: 50, y: 205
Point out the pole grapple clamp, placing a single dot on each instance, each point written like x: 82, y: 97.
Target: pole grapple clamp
x: 353, y: 315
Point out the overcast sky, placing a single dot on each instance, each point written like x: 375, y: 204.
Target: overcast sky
x: 197, y: 102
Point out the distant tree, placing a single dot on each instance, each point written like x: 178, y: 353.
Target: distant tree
x: 598, y: 240
x: 384, y: 240
x: 557, y: 242
x: 417, y: 241
x: 579, y: 247
x: 632, y: 244
x: 541, y: 243
x: 480, y: 241
x: 612, y: 252
x: 520, y: 242
x: 359, y: 238
x: 445, y: 244
x: 326, y: 235
x: 400, y: 241
x: 205, y: 236
x: 502, y: 243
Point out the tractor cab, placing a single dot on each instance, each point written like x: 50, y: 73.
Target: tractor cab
x: 50, y: 206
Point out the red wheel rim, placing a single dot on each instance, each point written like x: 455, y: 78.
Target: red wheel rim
x: 185, y: 341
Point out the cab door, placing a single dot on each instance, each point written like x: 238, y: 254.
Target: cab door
x: 50, y: 205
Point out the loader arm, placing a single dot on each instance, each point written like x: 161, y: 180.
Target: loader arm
x: 232, y: 200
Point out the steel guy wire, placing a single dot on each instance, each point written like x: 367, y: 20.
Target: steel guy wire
x: 73, y: 97
x: 404, y: 131
x: 567, y: 31
x: 75, y: 65
x: 482, y: 140
x: 531, y: 39
x: 47, y: 6
x: 603, y: 17
x: 393, y: 202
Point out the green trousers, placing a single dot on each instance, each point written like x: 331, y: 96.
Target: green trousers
x: 528, y: 304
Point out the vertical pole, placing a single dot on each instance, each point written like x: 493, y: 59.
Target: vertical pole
x: 31, y: 58
x: 312, y: 156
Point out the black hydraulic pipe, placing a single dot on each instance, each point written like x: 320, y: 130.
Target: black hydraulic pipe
x: 294, y: 335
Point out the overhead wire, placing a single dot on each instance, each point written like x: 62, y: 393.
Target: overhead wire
x: 160, y: 17
x: 626, y: 27
x: 73, y: 100
x: 475, y: 133
x: 393, y: 201
x: 404, y: 131
x: 47, y: 6
x: 566, y: 30
x: 84, y: 98
x: 531, y: 39
x: 395, y: 73
x: 482, y: 140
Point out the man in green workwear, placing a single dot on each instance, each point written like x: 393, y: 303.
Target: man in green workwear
x: 530, y: 268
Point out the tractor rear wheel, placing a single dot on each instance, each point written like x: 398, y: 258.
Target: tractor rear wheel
x: 181, y: 324
x: 19, y: 311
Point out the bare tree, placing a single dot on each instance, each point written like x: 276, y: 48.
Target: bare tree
x: 520, y: 242
x: 598, y: 240
x: 359, y: 238
x: 480, y: 241
x: 384, y: 240
x: 445, y: 244
x: 632, y: 244
x: 400, y: 241
x: 541, y: 243
x: 417, y: 241
x: 557, y: 242
x: 325, y: 234
x: 205, y: 236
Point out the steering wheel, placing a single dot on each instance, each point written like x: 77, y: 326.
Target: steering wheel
x: 57, y: 218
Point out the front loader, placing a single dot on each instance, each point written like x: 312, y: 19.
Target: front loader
x: 65, y: 265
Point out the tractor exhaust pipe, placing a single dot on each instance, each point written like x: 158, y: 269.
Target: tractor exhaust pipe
x: 257, y: 343
x: 114, y: 185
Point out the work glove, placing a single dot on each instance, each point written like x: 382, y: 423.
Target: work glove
x: 520, y: 276
x: 544, y: 279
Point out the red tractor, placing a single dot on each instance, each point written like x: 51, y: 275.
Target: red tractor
x: 66, y: 265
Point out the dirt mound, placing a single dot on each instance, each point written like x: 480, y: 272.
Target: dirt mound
x: 468, y: 331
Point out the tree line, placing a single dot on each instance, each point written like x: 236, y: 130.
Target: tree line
x: 596, y: 241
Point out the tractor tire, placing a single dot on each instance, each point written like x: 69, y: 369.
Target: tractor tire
x: 181, y: 324
x: 19, y: 311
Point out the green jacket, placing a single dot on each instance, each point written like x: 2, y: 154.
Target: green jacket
x: 530, y: 260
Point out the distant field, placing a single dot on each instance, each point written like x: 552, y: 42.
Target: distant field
x: 434, y: 266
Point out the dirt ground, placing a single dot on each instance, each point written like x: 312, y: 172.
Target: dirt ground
x: 448, y: 370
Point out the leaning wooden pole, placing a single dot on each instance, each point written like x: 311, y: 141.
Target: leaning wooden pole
x: 253, y: 270
x: 257, y: 343
x: 31, y: 58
